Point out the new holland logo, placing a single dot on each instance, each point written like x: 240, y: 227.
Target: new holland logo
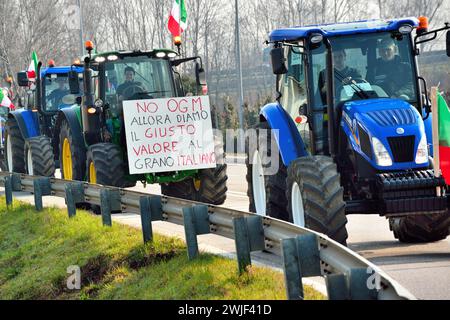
x: 400, y: 131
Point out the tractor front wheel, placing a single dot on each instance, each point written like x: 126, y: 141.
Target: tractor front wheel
x: 105, y: 166
x: 39, y: 157
x: 421, y: 228
x: 315, y: 197
x: 72, y: 155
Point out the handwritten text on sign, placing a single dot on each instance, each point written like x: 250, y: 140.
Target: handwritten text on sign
x: 165, y: 135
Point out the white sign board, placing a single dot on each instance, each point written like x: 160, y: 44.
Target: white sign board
x: 166, y: 135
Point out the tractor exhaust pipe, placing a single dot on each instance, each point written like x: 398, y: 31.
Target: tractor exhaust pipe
x: 89, y: 114
x: 330, y: 99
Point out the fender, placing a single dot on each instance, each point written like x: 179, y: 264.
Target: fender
x: 27, y: 121
x: 72, y: 116
x: 287, y: 136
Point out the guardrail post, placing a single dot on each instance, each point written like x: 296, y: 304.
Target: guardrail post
x: 8, y: 191
x: 16, y: 181
x: 249, y: 237
x: 151, y: 210
x: 74, y: 195
x: 42, y: 187
x: 357, y: 285
x: 105, y: 205
x: 361, y: 286
x: 337, y: 288
x: 196, y: 223
x: 301, y: 259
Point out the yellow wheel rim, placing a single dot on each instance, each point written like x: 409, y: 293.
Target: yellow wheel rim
x: 92, y: 173
x: 197, y: 184
x: 67, y: 160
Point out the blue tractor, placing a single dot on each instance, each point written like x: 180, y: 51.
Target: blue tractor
x: 351, y: 131
x: 29, y: 132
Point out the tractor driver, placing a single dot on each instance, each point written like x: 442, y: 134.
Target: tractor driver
x: 56, y: 96
x: 342, y: 74
x: 390, y: 72
x: 124, y: 90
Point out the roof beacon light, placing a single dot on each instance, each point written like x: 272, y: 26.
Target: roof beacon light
x: 51, y: 63
x: 89, y: 45
x: 423, y: 25
x: 177, y: 41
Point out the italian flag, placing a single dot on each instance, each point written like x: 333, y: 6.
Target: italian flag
x: 178, y: 18
x: 444, y: 136
x: 5, y: 101
x: 33, y: 67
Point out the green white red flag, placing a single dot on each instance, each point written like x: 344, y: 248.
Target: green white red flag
x: 178, y: 18
x: 444, y: 136
x: 31, y: 71
x: 4, y: 100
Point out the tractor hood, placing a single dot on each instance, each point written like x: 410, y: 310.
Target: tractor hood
x: 395, y: 123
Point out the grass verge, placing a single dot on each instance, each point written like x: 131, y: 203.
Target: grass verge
x: 37, y: 248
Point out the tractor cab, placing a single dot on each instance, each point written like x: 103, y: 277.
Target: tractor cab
x: 352, y: 113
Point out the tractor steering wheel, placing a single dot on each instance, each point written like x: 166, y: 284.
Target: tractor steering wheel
x: 132, y: 90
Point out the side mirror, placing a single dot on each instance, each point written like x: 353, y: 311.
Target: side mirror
x: 200, y: 75
x: 22, y: 79
x: 278, y: 61
x: 74, y: 83
x: 448, y: 43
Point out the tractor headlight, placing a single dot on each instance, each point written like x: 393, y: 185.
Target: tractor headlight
x: 381, y: 154
x: 422, y: 151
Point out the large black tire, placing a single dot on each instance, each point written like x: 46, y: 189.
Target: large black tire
x: 322, y: 194
x: 209, y: 187
x: 77, y: 153
x: 421, y: 228
x: 274, y: 179
x: 14, y: 136
x: 108, y: 165
x: 39, y: 158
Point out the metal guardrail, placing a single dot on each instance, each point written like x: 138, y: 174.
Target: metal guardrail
x: 303, y: 253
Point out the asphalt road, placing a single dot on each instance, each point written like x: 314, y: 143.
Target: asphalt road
x: 423, y: 269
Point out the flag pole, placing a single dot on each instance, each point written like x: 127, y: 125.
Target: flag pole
x: 436, y: 156
x: 240, y: 82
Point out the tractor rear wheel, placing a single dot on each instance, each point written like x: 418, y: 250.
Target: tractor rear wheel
x: 71, y: 155
x: 421, y: 228
x: 210, y: 186
x: 105, y: 166
x: 14, y: 147
x: 266, y: 176
x: 39, y: 157
x: 315, y: 197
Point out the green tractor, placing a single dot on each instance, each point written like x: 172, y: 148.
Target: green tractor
x: 92, y: 138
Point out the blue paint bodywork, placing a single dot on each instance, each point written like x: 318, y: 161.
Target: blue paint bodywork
x: 381, y: 118
x: 290, y: 143
x: 28, y: 120
x: 340, y: 29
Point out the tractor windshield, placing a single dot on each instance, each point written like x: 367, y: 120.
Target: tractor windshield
x: 136, y: 78
x: 366, y: 66
x: 56, y: 92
